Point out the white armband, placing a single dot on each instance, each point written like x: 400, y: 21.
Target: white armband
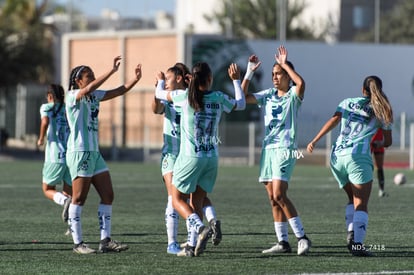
x: 159, y: 91
x: 249, y: 72
x: 239, y: 96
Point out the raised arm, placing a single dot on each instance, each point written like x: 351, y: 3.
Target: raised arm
x: 126, y: 87
x: 156, y: 106
x: 96, y: 83
x: 329, y: 125
x: 234, y: 73
x: 281, y: 58
x: 252, y: 66
x: 160, y: 93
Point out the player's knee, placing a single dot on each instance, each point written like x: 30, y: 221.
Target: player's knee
x: 280, y: 199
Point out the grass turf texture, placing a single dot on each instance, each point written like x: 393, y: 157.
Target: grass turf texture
x: 32, y: 239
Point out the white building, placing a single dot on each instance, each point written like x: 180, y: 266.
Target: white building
x: 190, y: 15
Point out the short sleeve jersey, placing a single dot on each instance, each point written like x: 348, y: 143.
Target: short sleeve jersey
x: 83, y: 120
x: 199, y: 130
x: 171, y: 129
x: 57, y: 132
x: 358, y: 126
x: 280, y: 117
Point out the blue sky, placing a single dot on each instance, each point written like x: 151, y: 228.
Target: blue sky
x: 126, y: 8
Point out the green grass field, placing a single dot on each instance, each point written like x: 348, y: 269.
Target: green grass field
x: 32, y: 239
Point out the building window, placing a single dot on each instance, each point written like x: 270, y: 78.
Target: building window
x: 361, y: 17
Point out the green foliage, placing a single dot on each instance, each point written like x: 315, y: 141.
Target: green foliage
x: 395, y: 26
x: 219, y: 53
x: 260, y: 19
x: 32, y: 239
x: 25, y: 43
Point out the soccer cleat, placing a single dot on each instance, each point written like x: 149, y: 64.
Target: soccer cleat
x: 202, y: 240
x: 359, y: 250
x: 109, y: 245
x: 187, y: 251
x: 215, y: 231
x: 280, y: 247
x: 349, y: 239
x: 382, y: 194
x: 65, y: 211
x: 83, y: 248
x: 304, y: 244
x: 173, y: 248
x: 68, y: 233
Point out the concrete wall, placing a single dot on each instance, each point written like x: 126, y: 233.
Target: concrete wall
x: 124, y: 119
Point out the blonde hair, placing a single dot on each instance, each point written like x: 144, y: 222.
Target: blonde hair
x: 379, y: 101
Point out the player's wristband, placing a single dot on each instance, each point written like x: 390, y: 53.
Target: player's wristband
x: 249, y: 72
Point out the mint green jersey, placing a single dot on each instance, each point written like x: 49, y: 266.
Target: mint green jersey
x: 280, y: 117
x: 358, y: 126
x: 171, y: 129
x: 83, y: 121
x: 57, y: 132
x: 199, y: 130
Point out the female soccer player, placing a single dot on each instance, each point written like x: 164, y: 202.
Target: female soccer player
x: 378, y: 150
x: 351, y: 159
x: 281, y: 104
x: 176, y: 79
x: 54, y: 127
x: 84, y: 159
x: 195, y: 170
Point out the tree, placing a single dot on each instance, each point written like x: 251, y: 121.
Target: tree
x: 395, y: 26
x: 25, y: 43
x: 259, y: 19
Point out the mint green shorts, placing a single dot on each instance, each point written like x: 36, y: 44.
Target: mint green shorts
x: 189, y: 172
x: 55, y: 173
x: 277, y: 164
x: 85, y: 164
x: 352, y: 168
x: 167, y: 163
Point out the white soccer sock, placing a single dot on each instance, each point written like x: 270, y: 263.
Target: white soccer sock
x: 171, y: 221
x: 191, y: 235
x: 282, y: 230
x: 297, y: 227
x: 195, y: 224
x: 209, y: 213
x: 75, y: 224
x: 104, y: 217
x: 349, y: 217
x: 360, y: 226
x: 59, y: 198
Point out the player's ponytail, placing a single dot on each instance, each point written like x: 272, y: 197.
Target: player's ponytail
x: 58, y: 95
x: 379, y: 101
x: 199, y: 78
